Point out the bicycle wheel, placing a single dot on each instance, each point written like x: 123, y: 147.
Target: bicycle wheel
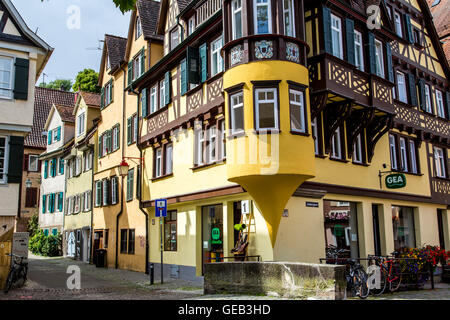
x: 360, y: 283
x: 395, y: 278
x: 22, y: 278
x: 9, y: 282
x: 383, y: 283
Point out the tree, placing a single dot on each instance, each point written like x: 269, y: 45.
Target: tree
x: 58, y: 84
x: 86, y: 80
x: 125, y: 5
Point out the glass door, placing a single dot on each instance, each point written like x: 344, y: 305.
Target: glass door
x: 212, y: 234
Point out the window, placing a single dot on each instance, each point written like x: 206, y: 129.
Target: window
x: 315, y: 136
x: 138, y: 31
x: 379, y: 60
x: 135, y: 127
x: 263, y: 16
x: 359, y: 56
x: 357, y: 150
x: 87, y: 201
x: 115, y: 137
x: 297, y: 110
x: 33, y: 162
x: 162, y: 94
x: 98, y: 193
x: 123, y: 240
x: 132, y: 129
x: 412, y: 153
x: 77, y: 166
x: 266, y: 107
x: 170, y: 231
x: 393, y: 152
x: 131, y: 240
x: 403, y: 155
x: 440, y: 104
x: 31, y: 197
x: 401, y: 87
x: 398, y: 24
x: 80, y: 124
x: 288, y: 18
x: 389, y: 11
x: 154, y: 99
x: 107, y: 93
x: 236, y: 19
x: 114, y: 190
x: 237, y: 112
x: 174, y: 38
x: 336, y: 152
x: 61, y: 165
x: 6, y: 77
x: 191, y: 25
x: 439, y: 162
x: 336, y: 36
x: 216, y: 58
x: 158, y: 163
x: 223, y: 146
x: 130, y: 185
x: 168, y: 155
x: 55, y: 134
x: 105, y: 191
x: 137, y: 64
x: 428, y: 99
x: 403, y: 225
x: 211, y: 146
x: 416, y: 35
x: 200, y: 146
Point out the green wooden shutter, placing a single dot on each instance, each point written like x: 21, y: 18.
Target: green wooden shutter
x: 61, y: 166
x: 102, y: 98
x: 44, y: 203
x: 326, y: 17
x: 203, y: 52
x: 100, y: 146
x: 15, y: 164
x: 60, y: 201
x: 118, y: 136
x: 183, y: 71
x: 142, y: 61
x: 49, y: 137
x: 193, y: 64
x: 167, y: 86
x: 408, y: 29
x: 389, y: 62
x: 46, y: 232
x: 350, y: 40
x: 45, y: 169
x: 412, y: 89
x: 447, y: 102
x: 144, y: 102
x: 21, y: 79
x: 422, y: 102
x: 130, y: 72
x: 371, y: 48
x: 109, y: 141
x: 129, y: 131
x: 58, y: 134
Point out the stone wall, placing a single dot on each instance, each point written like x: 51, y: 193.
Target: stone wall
x: 283, y: 279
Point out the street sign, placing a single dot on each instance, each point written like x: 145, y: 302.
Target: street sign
x: 395, y: 181
x: 161, y: 208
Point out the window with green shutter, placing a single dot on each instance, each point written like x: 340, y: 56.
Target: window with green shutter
x: 389, y: 62
x: 371, y: 49
x: 44, y: 203
x: 142, y: 61
x: 49, y: 137
x: 144, y: 102
x: 167, y: 87
x: 408, y: 29
x: 129, y: 131
x: 58, y: 134
x: 183, y: 72
x: 22, y: 67
x: 102, y: 98
x: 130, y: 185
x: 193, y: 66
x: 203, y: 52
x: 100, y: 146
x: 412, y: 89
x: 326, y: 19
x: 350, y: 40
x: 130, y: 72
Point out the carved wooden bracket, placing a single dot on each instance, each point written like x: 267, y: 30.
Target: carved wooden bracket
x: 334, y: 116
x: 358, y: 121
x: 376, y: 129
x: 318, y: 103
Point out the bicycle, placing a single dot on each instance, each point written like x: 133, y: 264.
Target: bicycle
x: 18, y: 272
x: 390, y: 273
x: 356, y: 276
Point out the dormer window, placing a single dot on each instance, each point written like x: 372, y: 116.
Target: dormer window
x: 263, y: 16
x: 236, y: 17
x: 288, y: 18
x: 174, y: 38
x: 191, y: 25
x: 138, y: 31
x: 80, y: 124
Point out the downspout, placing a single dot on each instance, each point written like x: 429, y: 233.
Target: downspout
x: 123, y: 155
x: 91, y: 241
x: 147, y: 247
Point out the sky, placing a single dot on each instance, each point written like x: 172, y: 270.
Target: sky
x: 73, y: 28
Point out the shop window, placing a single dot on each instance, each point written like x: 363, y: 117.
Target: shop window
x: 266, y: 109
x: 403, y: 224
x: 263, y: 16
x: 341, y: 228
x: 236, y: 19
x: 170, y: 231
x: 212, y: 233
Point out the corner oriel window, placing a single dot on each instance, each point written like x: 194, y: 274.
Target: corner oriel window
x: 216, y: 58
x: 297, y: 106
x: 237, y: 112
x: 236, y: 19
x: 263, y: 16
x: 288, y: 18
x: 266, y: 109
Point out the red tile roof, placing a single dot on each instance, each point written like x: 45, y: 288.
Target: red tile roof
x: 43, y: 102
x: 91, y: 99
x: 66, y: 113
x: 441, y: 16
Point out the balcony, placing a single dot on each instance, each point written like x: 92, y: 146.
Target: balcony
x: 329, y: 73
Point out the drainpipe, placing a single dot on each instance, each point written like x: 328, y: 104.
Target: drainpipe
x: 91, y: 241
x: 147, y: 247
x: 123, y: 155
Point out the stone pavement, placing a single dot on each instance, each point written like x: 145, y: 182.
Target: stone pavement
x: 47, y: 280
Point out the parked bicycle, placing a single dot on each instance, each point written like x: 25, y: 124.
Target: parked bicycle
x: 356, y: 276
x: 17, y: 273
x: 390, y: 273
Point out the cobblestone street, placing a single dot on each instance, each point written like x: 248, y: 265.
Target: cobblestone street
x: 47, y: 280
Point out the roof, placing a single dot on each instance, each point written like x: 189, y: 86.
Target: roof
x: 115, y: 48
x: 43, y: 101
x: 441, y: 16
x: 66, y: 113
x: 91, y: 99
x: 149, y: 13
x: 182, y: 4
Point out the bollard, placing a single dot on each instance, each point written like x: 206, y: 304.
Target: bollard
x: 152, y: 273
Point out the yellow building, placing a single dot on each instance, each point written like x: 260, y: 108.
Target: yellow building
x: 119, y: 224
x: 303, y: 122
x: 79, y: 164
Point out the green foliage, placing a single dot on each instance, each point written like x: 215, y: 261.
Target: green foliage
x: 86, y: 80
x: 58, y: 84
x: 33, y: 225
x: 125, y: 5
x: 49, y: 246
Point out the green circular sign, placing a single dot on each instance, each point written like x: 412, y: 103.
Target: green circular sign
x: 395, y: 181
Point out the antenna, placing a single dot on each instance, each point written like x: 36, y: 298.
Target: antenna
x: 99, y: 47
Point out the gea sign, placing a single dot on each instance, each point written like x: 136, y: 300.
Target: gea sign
x: 395, y: 181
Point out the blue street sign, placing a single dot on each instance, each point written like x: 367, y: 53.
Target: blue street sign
x: 160, y: 208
